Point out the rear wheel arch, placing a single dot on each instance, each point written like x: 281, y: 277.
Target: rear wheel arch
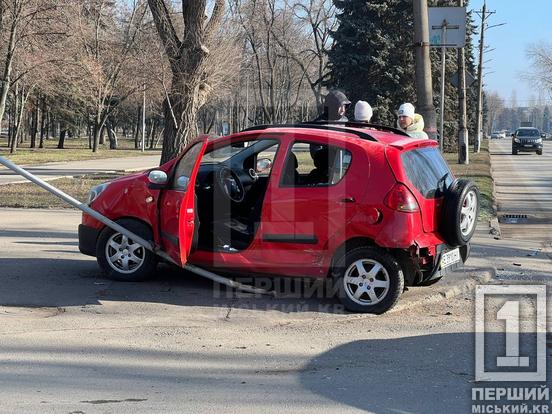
x: 349, y: 245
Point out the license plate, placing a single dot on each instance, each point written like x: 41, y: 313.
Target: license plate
x: 528, y: 145
x: 450, y: 258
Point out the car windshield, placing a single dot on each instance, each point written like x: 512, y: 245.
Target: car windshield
x: 527, y: 133
x: 224, y: 153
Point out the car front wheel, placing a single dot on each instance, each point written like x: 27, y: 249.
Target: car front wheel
x: 123, y: 259
x: 369, y: 280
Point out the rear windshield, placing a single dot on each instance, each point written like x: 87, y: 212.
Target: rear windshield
x: 527, y: 133
x: 427, y: 171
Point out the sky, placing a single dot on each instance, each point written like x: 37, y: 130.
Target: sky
x: 527, y: 22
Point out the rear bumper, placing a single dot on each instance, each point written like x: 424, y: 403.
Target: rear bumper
x: 437, y: 272
x: 88, y: 237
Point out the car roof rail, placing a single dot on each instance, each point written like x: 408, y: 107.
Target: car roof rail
x: 337, y: 126
x: 357, y: 124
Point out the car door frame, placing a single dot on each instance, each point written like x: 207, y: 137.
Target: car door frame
x: 179, y: 245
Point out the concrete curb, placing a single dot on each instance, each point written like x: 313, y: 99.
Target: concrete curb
x: 493, y: 222
x: 446, y: 292
x: 57, y: 177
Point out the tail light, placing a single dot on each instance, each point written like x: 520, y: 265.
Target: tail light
x: 401, y: 199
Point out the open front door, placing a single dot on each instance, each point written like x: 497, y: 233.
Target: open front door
x: 177, y: 210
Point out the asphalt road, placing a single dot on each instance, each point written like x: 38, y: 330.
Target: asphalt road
x: 523, y: 187
x: 72, y: 341
x: 52, y: 171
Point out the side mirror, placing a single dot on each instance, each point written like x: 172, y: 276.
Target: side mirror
x: 182, y: 183
x: 543, y: 135
x: 263, y: 165
x: 158, y: 177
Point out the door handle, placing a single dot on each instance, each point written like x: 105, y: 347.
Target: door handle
x: 348, y: 200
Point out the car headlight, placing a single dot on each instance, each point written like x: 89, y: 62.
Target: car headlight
x: 96, y: 191
x: 516, y: 140
x: 539, y: 141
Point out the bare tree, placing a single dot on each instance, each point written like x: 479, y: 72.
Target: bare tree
x: 103, y: 48
x: 540, y: 76
x: 315, y: 19
x: 187, y: 57
x: 495, y: 105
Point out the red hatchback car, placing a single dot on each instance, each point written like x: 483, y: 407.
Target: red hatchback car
x: 367, y: 206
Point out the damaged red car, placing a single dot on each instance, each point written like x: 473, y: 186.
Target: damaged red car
x: 367, y: 206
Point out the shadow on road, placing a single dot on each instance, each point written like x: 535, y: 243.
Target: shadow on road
x: 418, y: 374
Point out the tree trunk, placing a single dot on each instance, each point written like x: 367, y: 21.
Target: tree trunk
x: 20, y: 107
x: 43, y: 123
x: 112, y: 136
x: 183, y: 106
x: 62, y: 134
x: 34, y: 122
x: 98, y: 131
x: 155, y: 122
x: 11, y: 118
x: 137, y: 126
x: 8, y: 64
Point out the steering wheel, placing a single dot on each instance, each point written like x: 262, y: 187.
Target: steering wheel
x: 230, y: 184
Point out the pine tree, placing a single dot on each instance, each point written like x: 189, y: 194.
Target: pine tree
x: 373, y: 56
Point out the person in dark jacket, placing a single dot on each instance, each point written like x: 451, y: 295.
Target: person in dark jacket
x: 335, y: 106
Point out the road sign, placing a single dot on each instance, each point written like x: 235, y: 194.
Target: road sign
x: 447, y: 27
x: 470, y: 79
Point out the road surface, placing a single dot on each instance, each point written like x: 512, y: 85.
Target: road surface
x: 72, y: 341
x: 52, y: 171
x: 523, y: 187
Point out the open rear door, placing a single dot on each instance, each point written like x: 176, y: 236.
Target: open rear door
x: 177, y: 210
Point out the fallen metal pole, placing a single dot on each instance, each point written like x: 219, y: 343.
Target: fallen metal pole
x: 118, y: 228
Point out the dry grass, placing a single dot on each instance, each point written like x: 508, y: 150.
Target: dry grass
x: 29, y: 195
x: 75, y: 150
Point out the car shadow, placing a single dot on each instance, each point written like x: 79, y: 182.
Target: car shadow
x: 417, y: 374
x: 48, y: 282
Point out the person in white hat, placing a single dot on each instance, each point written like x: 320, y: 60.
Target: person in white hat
x: 363, y: 112
x: 411, y: 122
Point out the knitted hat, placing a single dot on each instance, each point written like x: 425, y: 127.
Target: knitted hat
x: 407, y: 109
x: 363, y: 111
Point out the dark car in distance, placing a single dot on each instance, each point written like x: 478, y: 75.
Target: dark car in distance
x: 527, y: 139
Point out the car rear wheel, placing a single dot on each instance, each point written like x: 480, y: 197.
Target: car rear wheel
x: 121, y: 258
x: 460, y: 212
x: 369, y: 280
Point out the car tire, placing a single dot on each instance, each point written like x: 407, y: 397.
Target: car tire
x: 465, y: 252
x: 133, y: 263
x: 460, y: 212
x: 514, y: 152
x: 539, y: 152
x: 374, y: 271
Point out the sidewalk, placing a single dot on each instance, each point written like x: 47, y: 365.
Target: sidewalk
x: 53, y: 171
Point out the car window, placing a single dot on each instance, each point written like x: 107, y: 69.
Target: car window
x: 427, y: 171
x: 224, y: 153
x: 527, y: 133
x: 185, y: 166
x: 315, y: 165
x: 256, y: 154
x: 265, y: 160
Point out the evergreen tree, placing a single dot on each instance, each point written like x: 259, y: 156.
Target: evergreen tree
x: 373, y: 56
x: 373, y: 59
